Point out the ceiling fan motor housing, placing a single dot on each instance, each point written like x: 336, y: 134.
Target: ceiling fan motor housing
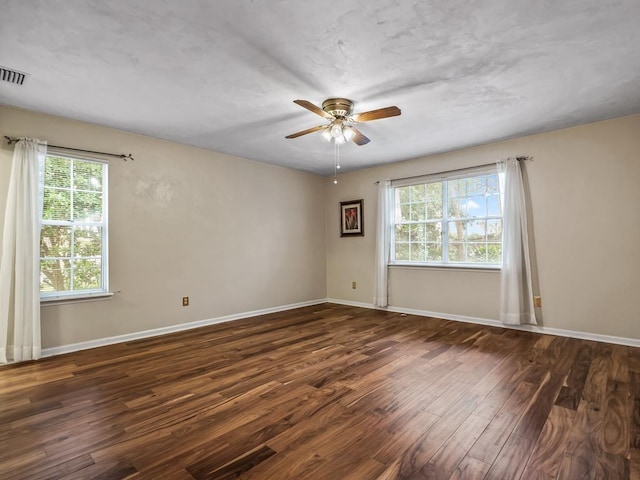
x: 338, y: 107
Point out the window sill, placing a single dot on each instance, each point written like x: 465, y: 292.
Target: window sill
x: 68, y: 299
x: 457, y: 268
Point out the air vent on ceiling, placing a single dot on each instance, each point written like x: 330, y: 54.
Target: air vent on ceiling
x: 12, y: 76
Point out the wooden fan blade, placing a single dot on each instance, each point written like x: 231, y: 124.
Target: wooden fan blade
x: 308, y: 130
x: 359, y: 138
x: 376, y: 114
x: 312, y: 108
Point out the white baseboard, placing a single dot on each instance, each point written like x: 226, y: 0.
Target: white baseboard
x: 100, y: 342
x: 631, y: 342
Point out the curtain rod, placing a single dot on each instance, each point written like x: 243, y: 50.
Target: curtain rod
x: 124, y: 157
x: 520, y: 158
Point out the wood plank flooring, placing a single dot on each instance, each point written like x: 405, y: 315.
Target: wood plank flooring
x: 327, y: 392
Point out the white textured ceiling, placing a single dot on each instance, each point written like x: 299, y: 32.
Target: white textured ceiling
x: 223, y: 74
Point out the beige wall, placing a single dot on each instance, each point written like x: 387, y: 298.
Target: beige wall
x: 585, y: 197
x: 232, y: 234
x: 236, y: 235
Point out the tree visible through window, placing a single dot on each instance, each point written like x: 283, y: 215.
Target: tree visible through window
x: 74, y: 227
x: 456, y: 221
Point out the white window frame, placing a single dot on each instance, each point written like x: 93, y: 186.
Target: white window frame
x: 444, y: 178
x: 89, y: 294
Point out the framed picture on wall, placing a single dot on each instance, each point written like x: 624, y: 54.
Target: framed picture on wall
x: 351, y: 218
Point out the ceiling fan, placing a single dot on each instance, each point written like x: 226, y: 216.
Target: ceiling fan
x: 339, y: 112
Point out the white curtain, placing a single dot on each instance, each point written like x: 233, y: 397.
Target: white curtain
x: 516, y: 292
x: 381, y: 296
x: 20, y: 255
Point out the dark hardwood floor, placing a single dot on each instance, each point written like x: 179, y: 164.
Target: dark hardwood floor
x: 327, y: 392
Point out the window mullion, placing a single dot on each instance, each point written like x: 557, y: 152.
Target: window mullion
x: 392, y: 228
x: 104, y: 238
x: 71, y: 180
x: 445, y: 223
x: 73, y: 228
x: 410, y: 222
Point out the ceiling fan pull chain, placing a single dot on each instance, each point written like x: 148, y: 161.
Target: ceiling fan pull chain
x: 336, y: 163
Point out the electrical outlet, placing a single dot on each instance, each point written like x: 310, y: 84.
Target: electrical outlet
x: 353, y: 285
x: 185, y: 301
x: 537, y: 301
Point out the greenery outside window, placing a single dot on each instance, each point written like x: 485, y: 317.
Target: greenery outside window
x: 448, y: 221
x: 73, y: 242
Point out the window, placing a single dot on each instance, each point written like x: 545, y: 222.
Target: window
x: 448, y: 221
x: 73, y: 242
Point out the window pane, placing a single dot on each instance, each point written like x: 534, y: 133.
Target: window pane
x: 418, y: 212
x: 477, y: 206
x: 494, y: 253
x: 57, y: 172
x: 476, y: 186
x: 457, y: 208
x: 402, y: 195
x: 476, y: 253
x: 494, y: 230
x: 55, y: 275
x: 457, y: 231
x: 434, y: 210
x: 402, y: 251
x: 492, y: 183
x: 57, y: 205
x: 493, y: 205
x: 417, y: 233
x: 434, y: 200
x: 403, y: 214
x: 476, y: 230
x: 87, y: 207
x: 418, y: 193
x: 87, y: 176
x: 88, y: 242
x: 87, y: 274
x: 434, y: 252
x: 433, y: 232
x: 457, y: 252
x: 402, y: 233
x: 55, y: 241
x: 434, y: 192
x: 418, y: 252
x: 456, y: 188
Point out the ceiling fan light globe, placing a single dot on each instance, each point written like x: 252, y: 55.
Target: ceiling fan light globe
x: 326, y: 134
x: 340, y: 140
x: 336, y: 131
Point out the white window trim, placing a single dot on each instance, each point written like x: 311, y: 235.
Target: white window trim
x: 59, y: 298
x: 470, y: 267
x: 440, y: 177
